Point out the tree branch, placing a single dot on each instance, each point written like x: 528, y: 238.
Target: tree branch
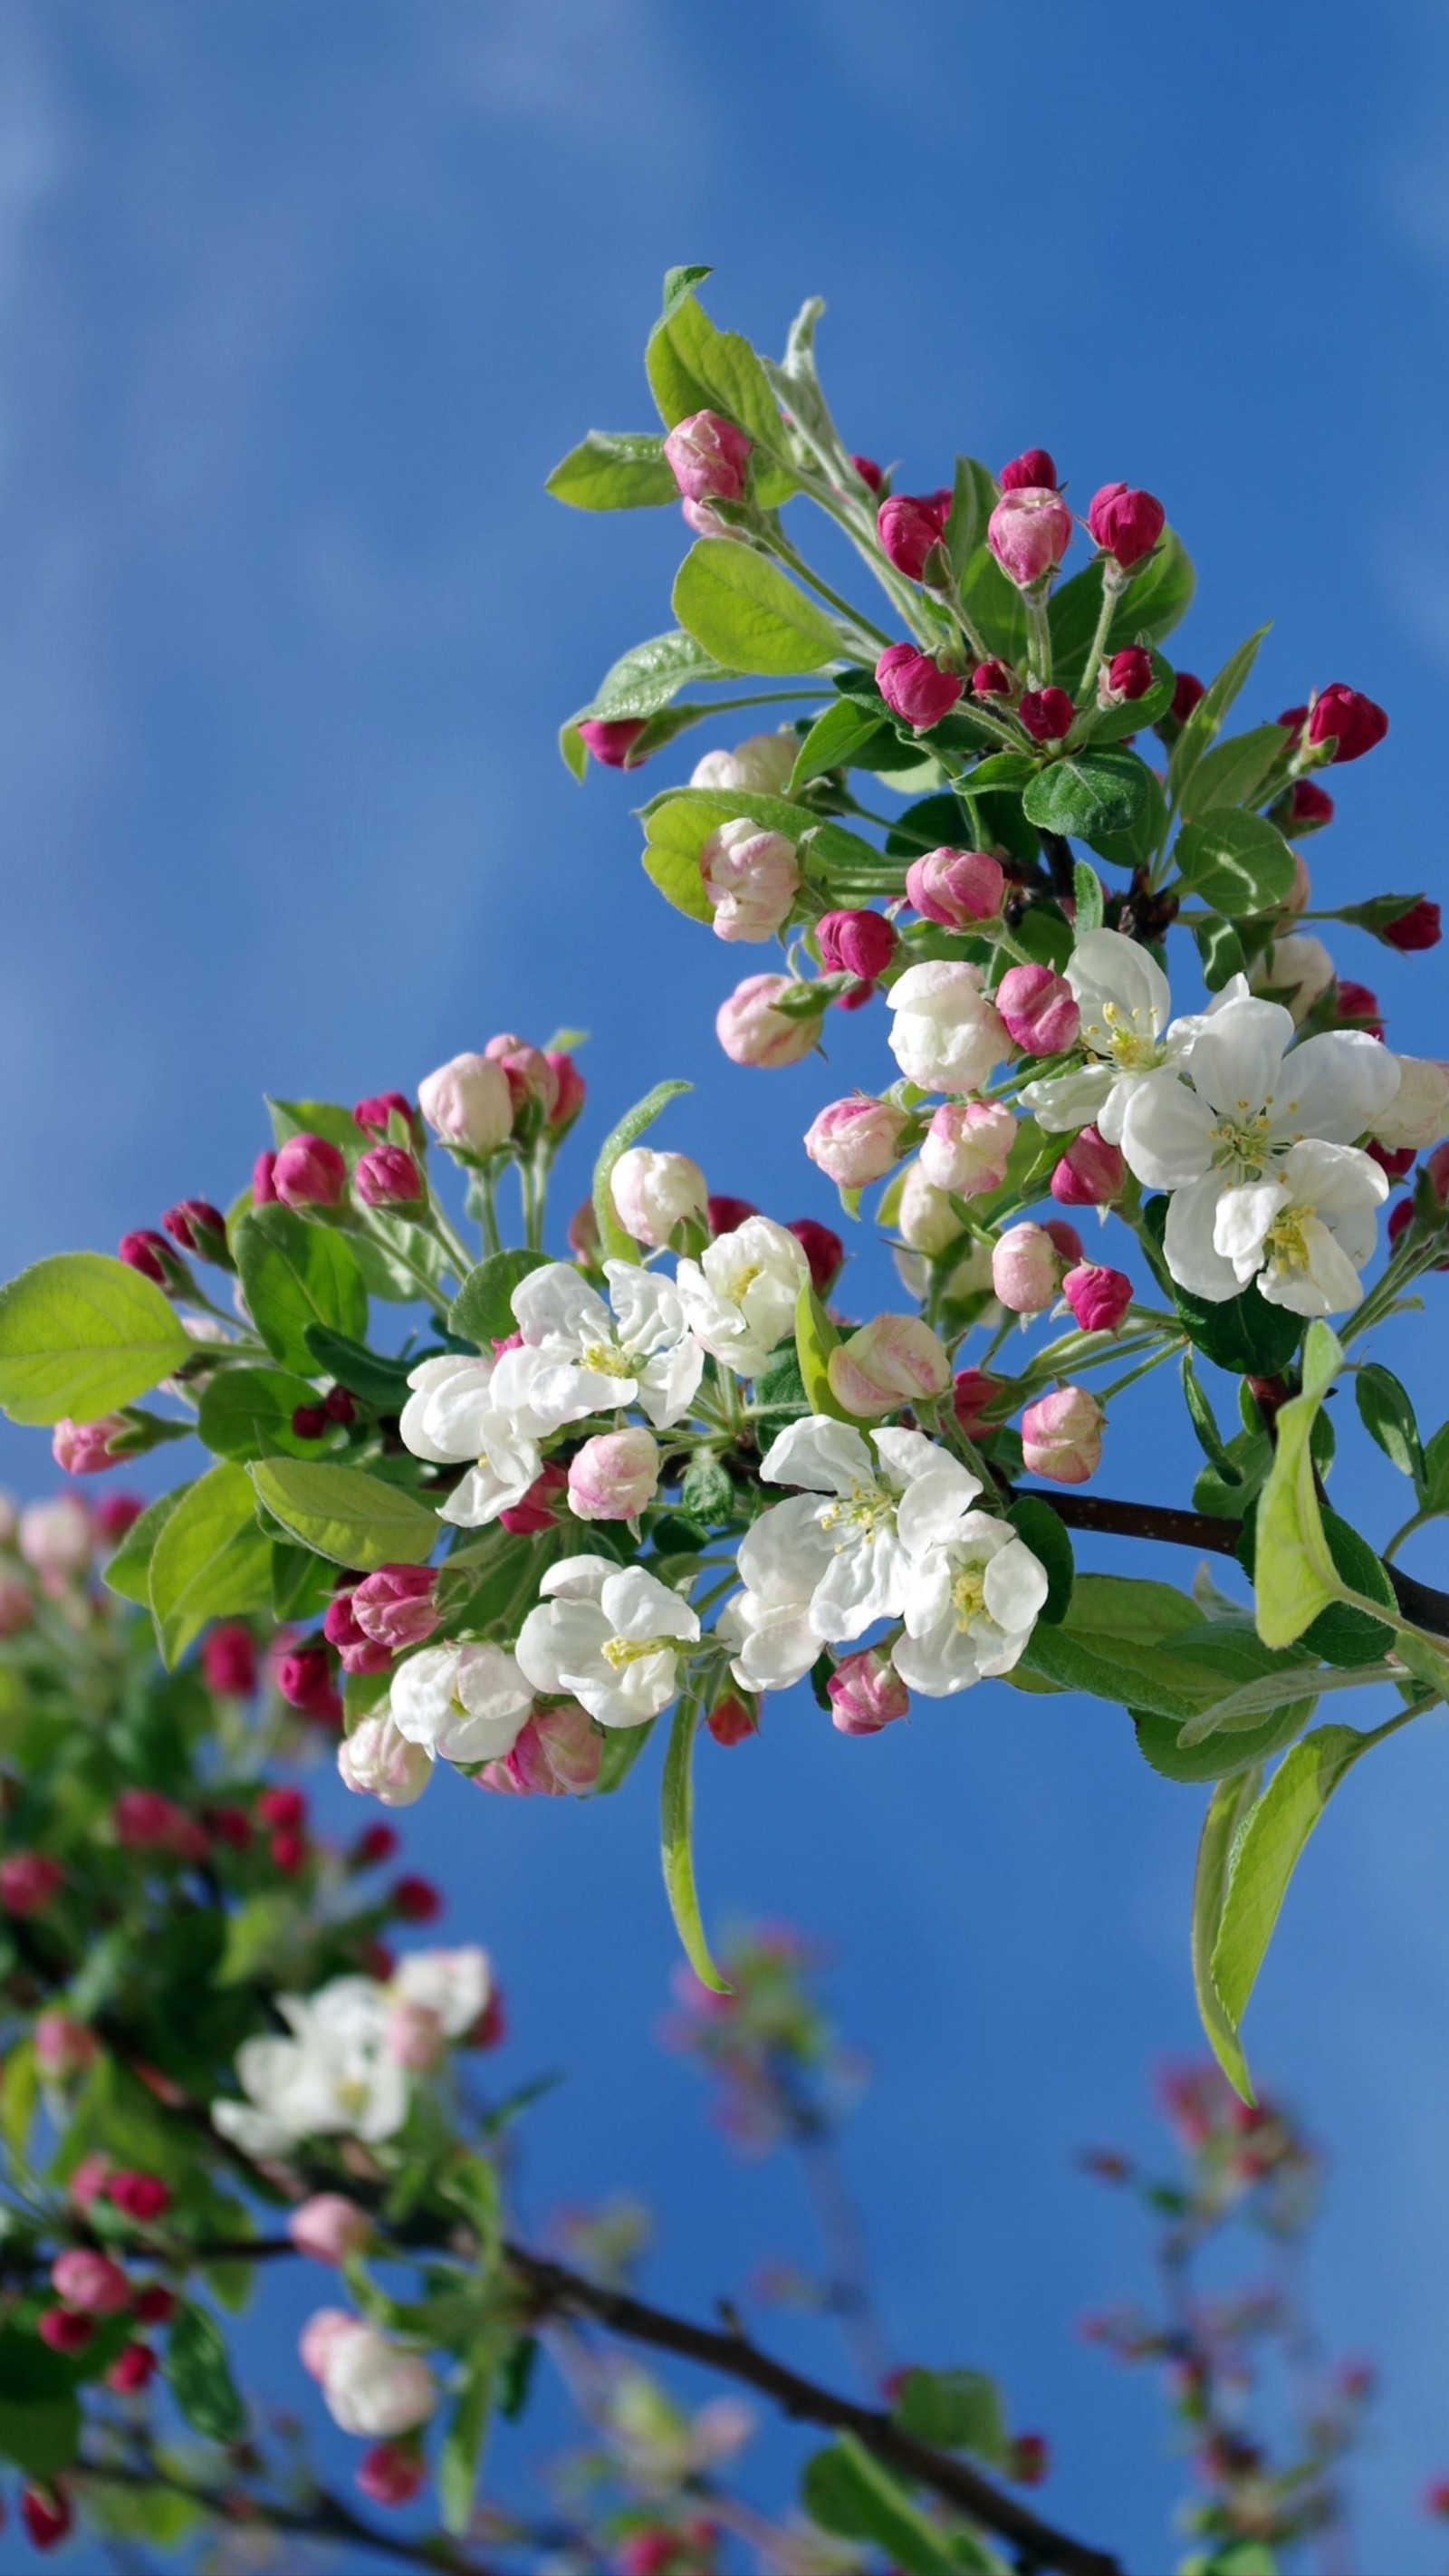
x: 329, y: 2519
x: 555, y: 2289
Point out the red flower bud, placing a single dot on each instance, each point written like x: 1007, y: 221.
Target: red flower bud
x: 28, y: 1881
x: 154, y: 2305
x: 264, y: 1188
x: 915, y: 687
x: 373, y: 1846
x: 46, y: 2515
x: 150, y: 1253
x: 338, y: 1405
x: 309, y: 1421
x: 308, y: 1172
x: 284, y: 1805
x: 1348, y: 719
x: 871, y: 474
x: 1099, y: 1298
x: 1309, y: 803
x: 65, y: 2329
x: 1091, y: 1172
x: 1039, y: 1009
x: 1188, y: 694
x: 708, y: 457
x: 229, y: 1661
x: 612, y: 744
x: 1047, y: 714
x: 1032, y: 471
x: 304, y: 1678
x: 392, y: 2473
x: 1129, y: 673
x: 1125, y: 523
x: 536, y: 1511
x: 1396, y: 1160
x: 198, y: 1227
x: 141, y: 2196
x: 570, y: 1093
x: 115, y: 1515
x: 1356, y: 1004
x: 132, y: 2370
x: 231, y: 1825
x: 397, y: 1605
x: 1029, y: 2459
x: 373, y: 1114
x: 416, y: 1900
x: 357, y: 1652
x: 145, y: 1821
x: 956, y: 888
x: 732, y: 1719
x: 725, y: 1213
x: 909, y: 525
x: 289, y: 1851
x: 1414, y: 929
x: 823, y: 1249
x: 973, y: 1393
x: 856, y: 943
x: 993, y: 679
x: 387, y: 1177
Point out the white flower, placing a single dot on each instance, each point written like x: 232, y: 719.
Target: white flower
x: 1125, y: 1004
x: 469, y: 1703
x: 378, y: 1761
x: 946, y: 1035
x: 760, y: 766
x: 333, y: 2077
x: 373, y: 2386
x: 1243, y: 1104
x: 1306, y: 1232
x: 608, y: 1634
x: 652, y: 1193
x: 578, y: 1358
x: 453, y: 1985
x: 740, y: 1299
x: 1418, y: 1114
x: 973, y: 1589
x: 768, y: 1626
x: 836, y: 1546
x: 453, y: 1413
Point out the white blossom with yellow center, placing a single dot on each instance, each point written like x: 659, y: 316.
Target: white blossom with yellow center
x: 823, y: 1567
x: 1127, y: 1033
x: 580, y: 1356
x: 1306, y: 1233
x: 609, y: 1636
x: 973, y: 1591
x: 739, y: 1300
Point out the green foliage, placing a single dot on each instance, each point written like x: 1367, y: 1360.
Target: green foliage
x: 677, y: 1831
x: 345, y: 1515
x: 82, y: 1333
x: 1266, y: 1847
x: 1294, y: 1575
x: 210, y: 1560
x: 815, y: 1339
x: 748, y: 613
x: 1086, y: 793
x: 1238, y: 863
x: 615, y: 470
x: 128, y: 1571
x: 482, y: 1311
x: 953, y: 2410
x: 199, y: 2375
x: 693, y: 367
x: 1205, y: 722
x: 1228, y: 1808
x: 294, y: 1274
x: 845, y: 2489
x: 247, y: 1413
x: 1387, y: 1412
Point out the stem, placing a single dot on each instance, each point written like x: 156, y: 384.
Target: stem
x: 1112, y: 588
x: 1041, y: 638
x: 1415, y: 1521
x: 328, y: 2519
x: 781, y: 546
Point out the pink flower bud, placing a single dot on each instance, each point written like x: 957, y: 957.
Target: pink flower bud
x: 823, y: 1250
x: 915, y: 687
x: 856, y: 943
x: 47, y: 2516
x: 229, y: 1661
x: 150, y: 1253
x: 308, y: 1172
x: 88, y: 2182
x: 724, y: 1213
x: 612, y: 744
x: 132, y: 2370
x: 84, y: 1448
x: 974, y: 1395
x: 1061, y: 1435
x: 1091, y: 1172
x: 391, y: 2473
x: 415, y: 2037
x: 63, y: 2047
x: 1032, y: 471
x: 56, y: 1537
x: 329, y: 2227
x: 1128, y: 675
x: 1098, y: 1298
x: 1357, y: 1006
x: 1125, y: 523
x: 993, y: 679
x: 1348, y: 719
x: 387, y: 1177
x: 708, y: 457
x: 28, y: 1881
x: 733, y: 1719
x: 1419, y: 927
x: 141, y: 2196
x: 1029, y: 531
x: 556, y: 1756
x: 115, y: 1515
x: 857, y: 1140
x: 653, y: 1193
x: 375, y: 1114
x: 967, y: 1145
x: 1066, y: 1238
x: 321, y: 2336
x: 866, y: 1692
x: 532, y: 1083
x: 283, y: 1804
x: 198, y: 1227
x: 537, y: 1509
x: 468, y: 1103
x: 1039, y: 1008
x: 397, y: 1606
x: 376, y: 1761
x: 90, y: 2281
x: 143, y: 1820
x: 614, y: 1476
x: 752, y: 1032
x: 1309, y: 805
x: 870, y: 473
x: 570, y: 1090
x: 357, y: 1652
x: 304, y: 1678
x: 909, y: 525
x: 64, y: 2329
x: 751, y: 878
x: 956, y: 888
x: 1026, y: 1269
x: 891, y: 1361
x: 1047, y: 714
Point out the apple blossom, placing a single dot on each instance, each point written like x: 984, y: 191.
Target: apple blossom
x: 1061, y: 1435
x: 653, y: 1193
x: 1039, y: 1009
x: 708, y: 457
x: 609, y: 1635
x: 436, y: 1996
x: 1124, y: 1002
x: 557, y: 1755
x: 891, y: 1361
x: 967, y: 1146
x: 466, y: 1702
x: 956, y: 888
x: 835, y: 1544
x: 866, y: 1693
x: 372, y: 2385
x: 925, y: 1216
x: 1091, y: 1172
x: 1026, y: 1269
x: 1418, y: 1114
x: 971, y: 1590
x: 739, y: 1298
x: 751, y: 878
x: 1295, y: 971
x: 915, y: 687
x: 1029, y: 531
x: 467, y: 1103
x: 856, y: 943
x: 767, y: 1626
x: 1099, y: 1298
x: 454, y: 1416
x: 322, y: 2330
x: 752, y: 1032
x: 1125, y: 523
x: 90, y: 2281
x: 615, y: 1476
x: 946, y: 1034
x: 1304, y: 1230
x: 855, y: 1141
x: 577, y: 1357
x: 332, y: 2076
x: 379, y: 1761
x: 329, y: 2227
x: 397, y: 1605
x: 760, y: 766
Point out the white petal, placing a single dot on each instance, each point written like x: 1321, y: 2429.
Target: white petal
x: 1166, y: 1132
x: 862, y: 1584
x: 932, y: 1507
x: 578, y: 1578
x: 1015, y: 1584
x: 938, y: 1662
x: 1237, y: 1059
x: 421, y: 1693
x: 1105, y: 967
x: 1069, y: 1100
x: 555, y: 1304
x: 826, y: 1456
x: 1192, y: 1256
x: 1334, y: 1086
x: 638, y: 1605
x: 908, y: 1454
x: 782, y: 1558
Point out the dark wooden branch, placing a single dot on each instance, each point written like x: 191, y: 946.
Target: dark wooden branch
x: 328, y: 2520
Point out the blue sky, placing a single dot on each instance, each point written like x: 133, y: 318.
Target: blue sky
x: 297, y: 308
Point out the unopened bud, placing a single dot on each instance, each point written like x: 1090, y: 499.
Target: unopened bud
x: 397, y: 1605
x: 1026, y: 1269
x: 1032, y: 471
x: 866, y: 1692
x: 708, y: 457
x: 90, y: 2282
x: 557, y: 1755
x: 1417, y: 928
x: 751, y: 879
x: 993, y: 679
x: 392, y: 2473
x: 64, y: 2047
x: 536, y: 1509
x: 388, y: 1177
x: 309, y: 1172
x: 377, y: 1762
x: 1309, y: 805
x: 85, y: 1448
x: 752, y: 1031
x: 925, y: 1216
x: 856, y: 943
x: 653, y: 1193
x: 200, y: 1228
x: 28, y: 1881
x: 915, y: 687
x: 974, y: 1396
x: 1061, y: 1435
x: 304, y: 1679
x: 149, y: 1252
x: 1091, y: 1172
x: 56, y: 1537
x: 330, y: 2228
x: 1098, y: 1297
x: 822, y: 1248
x: 956, y: 888
x: 1125, y: 523
x: 967, y: 1146
x: 264, y: 1188
x: 760, y: 766
x: 1347, y: 719
x: 1128, y: 676
x: 467, y: 1102
x: 1039, y: 1008
x: 855, y: 1141
x: 1047, y: 714
x: 612, y: 744
x: 376, y: 1114
x: 891, y: 1361
x: 1029, y: 531
x: 908, y: 526
x: 570, y: 1090
x: 733, y: 1719
x: 614, y: 1476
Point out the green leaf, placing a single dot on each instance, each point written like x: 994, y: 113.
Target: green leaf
x: 1221, y: 951
x: 707, y: 1490
x: 846, y: 2490
x: 1246, y: 1335
x: 815, y: 1339
x: 832, y: 740
x: 677, y: 1819
x: 1265, y: 1853
x: 1227, y: 1808
x: 1216, y: 1757
x: 1343, y: 1634
x: 1037, y: 1524
x: 340, y: 1513
x: 326, y: 1118
x: 748, y: 614
x: 973, y: 498
x: 994, y: 606
x: 1136, y: 847
x: 614, y: 470
x: 953, y: 2410
x: 650, y: 676
x: 247, y: 1413
x: 368, y: 1374
x: 619, y: 1245
x: 199, y: 2375
x: 1200, y: 1415
x: 692, y: 367
x: 293, y: 1274
x: 1088, y: 887
x: 1153, y: 602
x: 1294, y: 1575
x: 482, y: 1311
x: 1234, y: 771
x: 1146, y: 1646
x: 82, y: 1333
x: 1387, y: 1412
x: 210, y: 1561
x: 128, y: 1571
x: 1087, y: 792
x: 1205, y: 722
x: 463, y: 2440
x: 1238, y: 863
x: 262, y: 1934
x: 43, y: 2438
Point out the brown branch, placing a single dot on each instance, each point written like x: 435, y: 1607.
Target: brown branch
x: 557, y: 2290
x: 329, y: 2519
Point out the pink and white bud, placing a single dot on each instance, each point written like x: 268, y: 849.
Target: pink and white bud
x: 532, y: 1083
x: 866, y: 1692
x: 330, y: 2228
x: 891, y: 1361
x: 925, y: 1217
x: 64, y: 2048
x: 915, y: 687
x: 1040, y: 1009
x: 570, y: 1090
x: 57, y: 1536
x: 309, y: 1172
x: 708, y: 457
x: 397, y: 1605
x: 556, y: 1756
x: 1091, y: 1172
x: 751, y: 1031
x: 415, y: 2036
x: 377, y: 1762
x: 1061, y: 1435
x: 1026, y: 1269
x: 1295, y: 971
x: 84, y: 1448
x: 1098, y: 1297
x: 908, y: 526
x: 388, y: 1177
x: 956, y: 888
x: 653, y: 1193
x: 17, y: 1608
x: 974, y: 1398
x: 467, y: 1103
x: 967, y: 1146
x: 760, y: 766
x: 614, y: 1476
x: 321, y: 2336
x: 1418, y: 1114
x: 855, y: 1141
x: 90, y: 2282
x: 946, y: 1033
x: 751, y: 878
x: 391, y: 2473
x: 856, y: 943
x: 1029, y: 531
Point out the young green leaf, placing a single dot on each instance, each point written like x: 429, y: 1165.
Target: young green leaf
x: 1200, y: 1415
x: 1088, y: 887
x: 128, y: 1571
x: 1086, y: 792
x: 815, y: 1339
x: 974, y: 496
x: 464, y: 2438
x: 953, y: 2410
x: 1234, y: 772
x: 846, y: 2490
x: 1265, y: 1852
x: 81, y: 1333
x: 677, y: 1822
x: 1229, y: 1804
x: 295, y: 1273
x: 211, y: 1560
x: 748, y: 613
x: 617, y: 1243
x: 1205, y: 722
x: 1387, y: 1412
x: 1238, y: 863
x: 199, y: 2375
x: 340, y: 1513
x: 615, y: 470
x: 1294, y: 1576
x: 482, y: 1311
x: 247, y: 1413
